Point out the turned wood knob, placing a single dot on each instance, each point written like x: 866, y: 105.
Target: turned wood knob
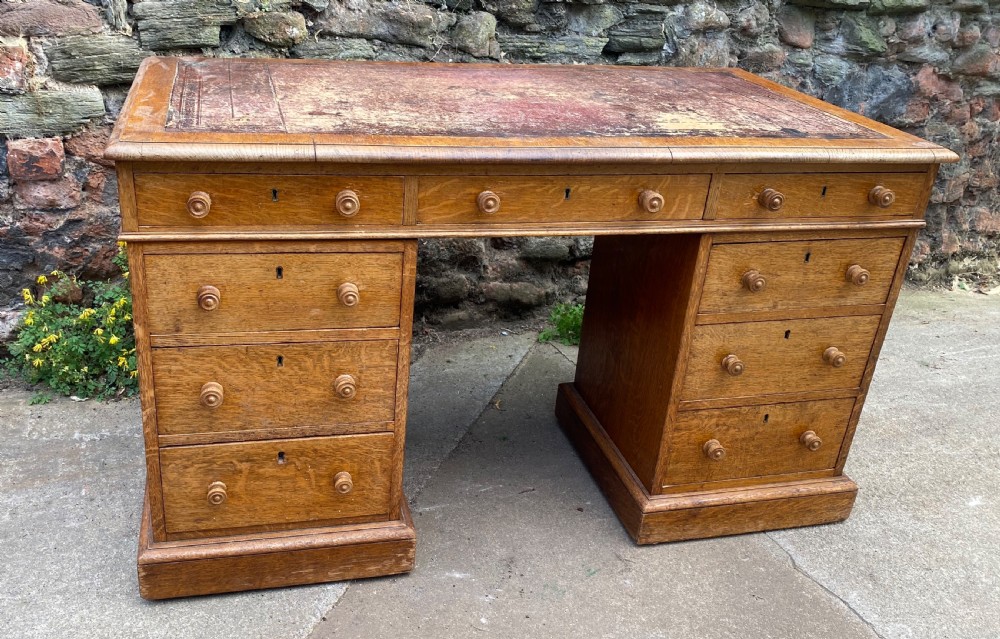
x: 209, y: 298
x: 881, y: 197
x: 834, y: 357
x: 199, y: 204
x: 732, y: 365
x: 857, y: 275
x: 342, y: 482
x: 348, y: 203
x: 345, y: 386
x: 771, y: 199
x: 488, y: 202
x: 810, y: 440
x: 753, y: 281
x: 714, y: 450
x: 217, y: 493
x: 211, y: 395
x: 651, y: 201
x: 348, y: 294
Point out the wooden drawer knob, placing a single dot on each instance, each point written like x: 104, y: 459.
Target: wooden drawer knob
x: 345, y: 386
x: 217, y: 493
x: 348, y: 203
x: 348, y: 294
x: 771, y: 199
x: 199, y: 204
x: 857, y: 275
x: 732, y: 365
x: 714, y: 450
x: 881, y: 197
x: 834, y: 357
x: 488, y: 202
x: 651, y: 201
x: 211, y: 395
x: 343, y: 483
x: 810, y: 440
x: 753, y: 281
x: 209, y: 298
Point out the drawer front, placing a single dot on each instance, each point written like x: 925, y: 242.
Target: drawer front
x: 272, y: 291
x: 213, y: 389
x: 223, y: 486
x: 768, y: 276
x: 787, y: 356
x: 569, y: 198
x: 212, y: 200
x: 820, y: 195
x: 753, y: 441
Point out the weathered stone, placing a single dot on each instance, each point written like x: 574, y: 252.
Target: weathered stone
x: 182, y: 24
x: 857, y: 36
x: 593, y: 19
x: 55, y: 194
x: 49, y: 112
x: 514, y: 12
x: 116, y: 12
x: 796, y: 26
x: 450, y: 288
x: 401, y: 23
x: 703, y: 16
x: 710, y: 51
x: 880, y: 93
x: 927, y: 53
x: 898, y: 7
x: 335, y: 49
x: 979, y: 60
x: 552, y: 48
x: 641, y: 31
x: 545, y: 249
x: 282, y: 29
x: 753, y: 20
x: 13, y: 69
x: 48, y: 18
x: 766, y: 57
x: 518, y: 295
x: 473, y: 33
x: 35, y: 159
x: 970, y: 6
x: 316, y: 5
x: 849, y: 5
x: 968, y: 36
x: 89, y: 144
x: 931, y: 85
x: 831, y: 69
x: 95, y: 59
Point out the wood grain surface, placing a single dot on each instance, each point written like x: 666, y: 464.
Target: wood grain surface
x: 275, y: 482
x: 775, y: 363
x: 247, y: 200
x: 254, y: 296
x: 274, y: 386
x: 798, y: 275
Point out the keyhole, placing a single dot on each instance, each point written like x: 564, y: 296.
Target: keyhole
x: 766, y: 417
x: 808, y: 255
x: 281, y: 457
x: 567, y: 194
x: 274, y: 195
x: 823, y: 194
x: 788, y: 334
x: 281, y: 361
x: 279, y: 273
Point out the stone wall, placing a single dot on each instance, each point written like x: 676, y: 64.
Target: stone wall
x: 930, y: 67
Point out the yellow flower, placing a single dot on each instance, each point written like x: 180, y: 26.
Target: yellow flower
x: 37, y: 362
x: 28, y: 297
x: 113, y: 340
x: 122, y: 244
x: 122, y: 362
x: 46, y: 299
x: 127, y: 317
x: 125, y: 274
x: 98, y: 331
x: 87, y: 313
x: 29, y: 319
x: 38, y: 347
x: 133, y: 374
x: 41, y: 279
x: 121, y: 302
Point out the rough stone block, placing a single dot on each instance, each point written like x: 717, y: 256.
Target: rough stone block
x: 545, y: 249
x: 856, y: 5
x: 95, y: 59
x: 335, y: 49
x: 282, y: 29
x: 898, y: 7
x: 400, y: 23
x: 552, y: 48
x: 979, y: 60
x: 13, y: 69
x: 514, y: 12
x: 49, y: 112
x: 35, y: 159
x: 89, y: 144
x: 180, y: 24
x: 48, y: 18
x: 857, y: 36
x: 641, y: 31
x: 796, y: 26
x: 517, y: 295
x: 473, y: 33
x: 592, y: 19
x: 55, y: 194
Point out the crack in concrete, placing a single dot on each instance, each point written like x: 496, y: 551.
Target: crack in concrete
x: 802, y: 571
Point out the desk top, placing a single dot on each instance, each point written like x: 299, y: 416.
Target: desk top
x: 312, y: 110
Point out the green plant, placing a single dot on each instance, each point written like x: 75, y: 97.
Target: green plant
x: 567, y: 321
x: 76, y: 346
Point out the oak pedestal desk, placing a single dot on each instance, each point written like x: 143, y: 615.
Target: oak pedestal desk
x: 751, y: 245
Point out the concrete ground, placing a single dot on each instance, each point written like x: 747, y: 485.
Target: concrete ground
x: 514, y: 538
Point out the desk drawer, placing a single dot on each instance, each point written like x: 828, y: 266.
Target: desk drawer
x: 769, y: 276
x: 560, y: 198
x: 218, y: 200
x: 752, y: 441
x: 223, y: 486
x: 212, y: 293
x: 786, y: 356
x: 804, y: 195
x: 215, y: 389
